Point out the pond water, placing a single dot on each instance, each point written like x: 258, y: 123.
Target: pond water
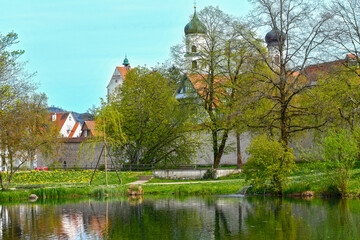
x: 217, y: 217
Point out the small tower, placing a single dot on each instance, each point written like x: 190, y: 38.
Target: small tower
x: 273, y: 40
x: 195, y: 32
x: 126, y: 63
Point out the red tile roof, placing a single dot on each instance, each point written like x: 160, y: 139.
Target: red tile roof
x: 312, y: 71
x: 351, y: 56
x: 60, y: 118
x: 74, y: 130
x: 200, y: 84
x: 90, y: 125
x: 123, y: 71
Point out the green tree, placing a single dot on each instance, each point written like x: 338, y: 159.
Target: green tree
x: 339, y: 151
x: 14, y: 80
x: 144, y: 121
x: 269, y: 165
x: 220, y: 75
x: 338, y: 96
x: 298, y: 30
x: 25, y: 132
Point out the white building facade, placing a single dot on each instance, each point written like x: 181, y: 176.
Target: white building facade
x: 117, y: 78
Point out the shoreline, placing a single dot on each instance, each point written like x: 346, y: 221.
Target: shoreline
x: 200, y: 188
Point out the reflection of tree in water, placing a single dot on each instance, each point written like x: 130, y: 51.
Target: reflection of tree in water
x: 344, y: 220
x: 221, y: 225
x: 155, y: 221
x: 278, y: 218
x: 270, y: 218
x: 189, y: 218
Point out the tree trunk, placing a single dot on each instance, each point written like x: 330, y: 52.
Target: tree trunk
x: 215, y: 147
x: 238, y: 151
x: 220, y: 151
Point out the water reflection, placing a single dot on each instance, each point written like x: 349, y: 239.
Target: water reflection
x: 182, y: 218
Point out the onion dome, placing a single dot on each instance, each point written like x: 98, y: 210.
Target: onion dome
x: 126, y: 62
x: 195, y: 26
x: 273, y: 37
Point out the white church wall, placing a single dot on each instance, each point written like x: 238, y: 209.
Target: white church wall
x: 115, y: 81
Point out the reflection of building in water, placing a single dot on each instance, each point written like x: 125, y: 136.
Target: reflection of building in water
x: 72, y: 226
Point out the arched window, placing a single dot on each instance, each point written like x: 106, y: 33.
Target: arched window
x: 194, y: 64
x: 277, y: 59
x: 193, y: 49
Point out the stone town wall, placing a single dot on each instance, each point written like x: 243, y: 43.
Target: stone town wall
x: 205, y: 154
x: 89, y: 154
x: 69, y: 155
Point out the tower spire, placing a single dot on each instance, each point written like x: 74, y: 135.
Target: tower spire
x: 126, y: 62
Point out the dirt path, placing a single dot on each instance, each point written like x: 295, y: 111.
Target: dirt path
x: 139, y: 182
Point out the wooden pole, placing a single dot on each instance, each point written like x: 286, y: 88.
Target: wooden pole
x: 102, y: 150
x: 106, y: 176
x: 112, y: 162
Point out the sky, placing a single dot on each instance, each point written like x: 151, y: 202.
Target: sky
x: 75, y: 45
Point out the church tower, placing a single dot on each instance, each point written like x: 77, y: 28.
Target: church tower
x: 273, y: 40
x: 118, y: 78
x: 195, y: 32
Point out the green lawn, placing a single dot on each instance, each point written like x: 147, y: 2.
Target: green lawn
x: 61, y: 178
x: 203, y: 188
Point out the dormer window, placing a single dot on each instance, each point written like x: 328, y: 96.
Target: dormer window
x: 53, y: 117
x: 193, y: 49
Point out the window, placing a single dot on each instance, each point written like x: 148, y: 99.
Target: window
x: 193, y: 49
x: 277, y: 59
x: 194, y: 64
x: 184, y: 89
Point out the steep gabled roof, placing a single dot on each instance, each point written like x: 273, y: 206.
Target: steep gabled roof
x: 90, y: 125
x: 60, y: 118
x: 74, y: 130
x: 122, y: 71
x: 199, y: 82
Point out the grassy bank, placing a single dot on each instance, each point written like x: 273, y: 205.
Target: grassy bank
x: 64, y: 192
x: 69, y: 184
x: 203, y: 188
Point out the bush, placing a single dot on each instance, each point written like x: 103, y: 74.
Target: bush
x: 269, y: 165
x: 339, y: 151
x: 210, y: 174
